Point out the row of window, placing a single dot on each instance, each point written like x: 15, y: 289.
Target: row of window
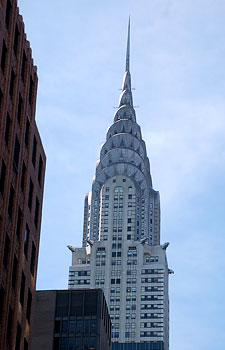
x: 117, y: 213
x: 80, y: 273
x: 151, y: 334
x: 12, y: 195
x: 119, y: 188
x: 152, y: 280
x: 78, y: 326
x: 151, y: 271
x: 79, y: 282
x: 116, y: 245
x: 26, y: 243
x: 83, y: 261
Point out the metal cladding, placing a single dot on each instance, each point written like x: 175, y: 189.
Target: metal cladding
x: 124, y: 153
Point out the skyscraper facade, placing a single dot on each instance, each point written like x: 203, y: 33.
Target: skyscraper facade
x: 121, y: 250
x: 22, y: 168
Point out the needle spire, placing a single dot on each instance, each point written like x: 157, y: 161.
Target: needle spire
x: 128, y: 48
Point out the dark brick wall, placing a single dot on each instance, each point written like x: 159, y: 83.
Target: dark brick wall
x: 22, y: 169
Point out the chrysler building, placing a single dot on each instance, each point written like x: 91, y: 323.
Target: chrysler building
x: 121, y: 251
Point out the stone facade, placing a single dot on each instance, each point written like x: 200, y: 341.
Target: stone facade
x: 121, y: 250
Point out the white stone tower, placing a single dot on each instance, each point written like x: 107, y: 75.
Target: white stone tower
x: 121, y: 250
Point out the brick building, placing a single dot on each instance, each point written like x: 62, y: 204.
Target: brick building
x: 22, y: 169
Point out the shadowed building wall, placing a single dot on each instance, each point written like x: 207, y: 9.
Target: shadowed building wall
x: 22, y: 169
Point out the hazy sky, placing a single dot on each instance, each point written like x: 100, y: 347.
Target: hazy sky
x: 178, y: 72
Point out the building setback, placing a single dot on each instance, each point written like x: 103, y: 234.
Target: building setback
x: 121, y: 250
x: 22, y: 169
x: 69, y: 320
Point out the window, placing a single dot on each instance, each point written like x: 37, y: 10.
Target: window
x: 6, y: 250
x: 130, y: 189
x: 16, y: 39
x: 14, y: 272
x: 8, y: 13
x: 129, y: 196
x: 12, y: 81
x: 2, y: 178
x: 1, y: 97
x: 25, y: 344
x: 16, y: 153
x: 31, y: 90
x: 29, y: 303
x: 27, y: 132
x: 2, y: 298
x: 19, y: 220
x: 115, y: 334
x: 34, y: 152
x: 22, y: 289
x: 33, y: 259
x: 30, y: 198
x: 118, y: 189
x: 23, y: 176
x: 26, y: 240
x: 40, y: 167
x: 36, y: 217
x: 7, y: 129
x: 9, y: 325
x: 18, y: 336
x: 107, y: 189
x: 11, y: 199
x: 3, y: 58
x: 19, y: 111
x: 23, y: 66
x: 128, y: 237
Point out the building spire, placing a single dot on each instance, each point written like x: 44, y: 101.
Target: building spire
x: 128, y: 48
x: 125, y: 106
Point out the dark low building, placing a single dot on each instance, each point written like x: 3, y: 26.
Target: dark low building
x: 153, y: 345
x: 71, y: 319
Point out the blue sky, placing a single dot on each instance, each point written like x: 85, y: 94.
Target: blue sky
x: 178, y: 72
